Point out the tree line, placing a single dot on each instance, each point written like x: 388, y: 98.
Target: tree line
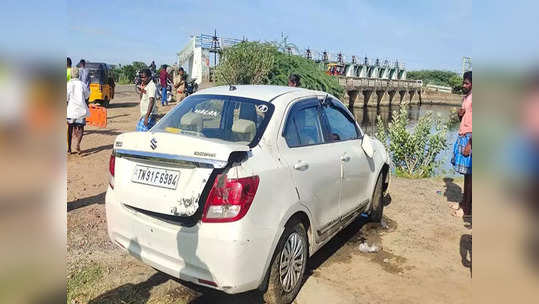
x: 438, y: 77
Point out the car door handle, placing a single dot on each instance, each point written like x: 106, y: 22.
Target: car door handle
x: 301, y: 166
x: 345, y: 158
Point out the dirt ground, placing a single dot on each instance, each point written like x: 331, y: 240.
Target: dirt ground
x: 425, y: 254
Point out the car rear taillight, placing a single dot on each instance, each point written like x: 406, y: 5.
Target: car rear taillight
x: 229, y: 199
x: 112, y: 162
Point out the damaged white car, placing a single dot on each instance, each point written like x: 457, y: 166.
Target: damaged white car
x: 236, y: 187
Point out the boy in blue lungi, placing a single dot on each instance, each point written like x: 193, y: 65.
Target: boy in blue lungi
x: 148, y: 107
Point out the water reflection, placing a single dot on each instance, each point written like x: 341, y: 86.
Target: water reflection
x: 368, y: 118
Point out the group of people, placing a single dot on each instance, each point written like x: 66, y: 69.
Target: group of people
x: 78, y: 92
x: 77, y: 111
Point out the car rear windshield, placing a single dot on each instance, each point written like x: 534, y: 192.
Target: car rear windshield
x: 234, y: 119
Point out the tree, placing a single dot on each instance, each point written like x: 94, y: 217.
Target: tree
x: 455, y: 82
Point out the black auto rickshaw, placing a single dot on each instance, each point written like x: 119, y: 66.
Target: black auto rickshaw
x: 101, y: 83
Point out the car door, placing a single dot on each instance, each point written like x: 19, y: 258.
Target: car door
x: 314, y: 165
x: 346, y: 139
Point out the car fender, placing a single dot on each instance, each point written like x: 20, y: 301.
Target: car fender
x: 380, y: 158
x: 293, y: 209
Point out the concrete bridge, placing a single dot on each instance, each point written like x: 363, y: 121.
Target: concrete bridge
x: 384, y: 90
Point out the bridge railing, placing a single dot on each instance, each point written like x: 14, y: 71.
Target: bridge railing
x: 382, y: 84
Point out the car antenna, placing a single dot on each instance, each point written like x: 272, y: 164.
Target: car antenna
x: 231, y: 87
x: 325, y: 100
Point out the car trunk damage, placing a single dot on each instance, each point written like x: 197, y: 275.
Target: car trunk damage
x: 169, y: 175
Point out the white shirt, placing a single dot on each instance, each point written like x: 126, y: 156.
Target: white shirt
x: 77, y: 93
x: 145, y: 99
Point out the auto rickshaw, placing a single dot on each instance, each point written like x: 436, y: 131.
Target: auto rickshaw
x: 335, y: 68
x: 101, y: 83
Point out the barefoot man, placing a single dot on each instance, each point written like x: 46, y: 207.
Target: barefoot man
x: 462, y: 150
x: 77, y: 109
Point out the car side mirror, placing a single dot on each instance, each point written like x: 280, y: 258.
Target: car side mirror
x: 367, y: 146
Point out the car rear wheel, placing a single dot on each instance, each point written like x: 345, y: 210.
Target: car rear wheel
x: 377, y: 205
x: 288, y: 266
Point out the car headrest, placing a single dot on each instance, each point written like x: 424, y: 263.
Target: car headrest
x: 245, y: 128
x: 191, y: 121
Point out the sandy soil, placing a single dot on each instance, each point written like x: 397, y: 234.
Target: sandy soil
x: 425, y: 254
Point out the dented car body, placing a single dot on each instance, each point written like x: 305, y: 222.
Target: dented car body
x: 235, y: 180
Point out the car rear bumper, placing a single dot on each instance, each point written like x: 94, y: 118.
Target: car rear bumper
x: 230, y: 255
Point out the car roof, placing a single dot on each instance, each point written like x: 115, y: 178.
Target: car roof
x: 260, y: 92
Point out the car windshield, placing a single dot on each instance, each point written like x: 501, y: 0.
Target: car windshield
x: 228, y: 118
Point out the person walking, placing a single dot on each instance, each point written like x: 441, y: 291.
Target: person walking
x: 148, y: 106
x: 77, y: 109
x: 462, y: 150
x: 163, y: 77
x: 294, y: 80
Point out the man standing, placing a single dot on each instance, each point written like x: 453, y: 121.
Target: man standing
x: 77, y: 109
x: 83, y: 73
x: 148, y: 107
x: 179, y: 85
x: 294, y: 80
x: 462, y: 158
x: 68, y: 69
x: 163, y: 76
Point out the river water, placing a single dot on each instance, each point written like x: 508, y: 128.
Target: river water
x: 367, y: 118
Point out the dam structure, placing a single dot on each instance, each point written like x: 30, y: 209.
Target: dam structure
x: 365, y: 83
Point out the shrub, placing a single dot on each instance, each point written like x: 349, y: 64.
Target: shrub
x: 262, y: 63
x: 245, y: 63
x: 413, y: 152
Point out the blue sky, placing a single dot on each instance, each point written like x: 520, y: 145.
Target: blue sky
x: 422, y: 34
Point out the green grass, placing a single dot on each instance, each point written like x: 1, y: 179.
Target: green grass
x: 82, y: 281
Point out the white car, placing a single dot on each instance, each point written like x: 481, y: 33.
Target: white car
x: 236, y: 187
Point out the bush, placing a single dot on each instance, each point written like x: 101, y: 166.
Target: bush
x: 245, y: 63
x: 262, y: 63
x: 413, y: 152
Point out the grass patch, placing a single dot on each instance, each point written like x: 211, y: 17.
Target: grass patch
x: 82, y: 281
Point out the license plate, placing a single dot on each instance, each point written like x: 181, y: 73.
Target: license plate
x: 156, y: 177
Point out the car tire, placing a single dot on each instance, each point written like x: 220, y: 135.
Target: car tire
x: 377, y: 205
x: 284, y: 286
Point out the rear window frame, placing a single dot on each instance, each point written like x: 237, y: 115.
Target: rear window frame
x: 228, y: 98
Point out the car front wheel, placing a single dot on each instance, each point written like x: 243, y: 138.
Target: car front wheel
x: 377, y: 205
x: 288, y: 266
